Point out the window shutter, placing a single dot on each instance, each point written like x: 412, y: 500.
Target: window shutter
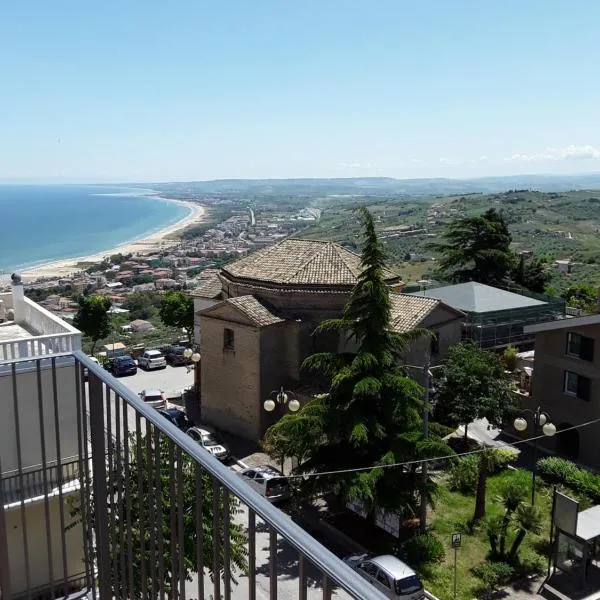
x: 587, y: 349
x: 583, y: 388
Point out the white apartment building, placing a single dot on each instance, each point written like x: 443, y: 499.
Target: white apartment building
x: 39, y: 445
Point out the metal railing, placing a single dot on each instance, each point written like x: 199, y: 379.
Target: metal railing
x: 34, y: 482
x: 155, y: 516
x: 39, y: 345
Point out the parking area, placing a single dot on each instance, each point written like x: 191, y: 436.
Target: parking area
x: 171, y: 380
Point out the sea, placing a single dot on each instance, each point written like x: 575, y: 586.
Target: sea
x: 43, y: 223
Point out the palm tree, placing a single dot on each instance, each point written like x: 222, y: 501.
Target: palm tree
x: 529, y: 520
x: 511, y: 498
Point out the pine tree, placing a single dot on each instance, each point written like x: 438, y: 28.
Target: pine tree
x: 476, y: 249
x: 371, y: 414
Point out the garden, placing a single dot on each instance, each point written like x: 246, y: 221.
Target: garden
x: 510, y: 543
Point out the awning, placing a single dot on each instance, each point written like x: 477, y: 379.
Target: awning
x: 588, y: 523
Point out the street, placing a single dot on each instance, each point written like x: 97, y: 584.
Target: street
x: 171, y: 380
x: 287, y: 572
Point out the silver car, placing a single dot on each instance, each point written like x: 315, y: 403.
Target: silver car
x: 392, y: 577
x: 268, y: 482
x: 154, y: 398
x: 207, y: 438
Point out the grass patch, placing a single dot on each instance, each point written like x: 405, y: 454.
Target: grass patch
x: 453, y: 512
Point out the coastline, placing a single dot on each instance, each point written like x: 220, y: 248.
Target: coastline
x: 143, y: 246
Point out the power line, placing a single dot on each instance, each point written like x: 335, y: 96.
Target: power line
x: 436, y: 458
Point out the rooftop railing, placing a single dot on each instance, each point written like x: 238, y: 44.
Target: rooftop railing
x: 155, y: 516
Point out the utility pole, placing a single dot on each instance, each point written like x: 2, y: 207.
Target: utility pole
x: 424, y: 474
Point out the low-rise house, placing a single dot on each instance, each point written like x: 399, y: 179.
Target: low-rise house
x: 165, y: 283
x: 566, y: 384
x: 141, y: 325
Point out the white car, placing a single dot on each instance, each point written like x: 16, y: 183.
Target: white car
x: 152, y: 359
x: 206, y: 437
x: 154, y: 398
x: 268, y: 482
x: 392, y: 577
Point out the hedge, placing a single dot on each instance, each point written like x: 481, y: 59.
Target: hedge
x: 559, y: 471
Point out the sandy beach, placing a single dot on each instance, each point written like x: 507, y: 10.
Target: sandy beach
x: 156, y: 241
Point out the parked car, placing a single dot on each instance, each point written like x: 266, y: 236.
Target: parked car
x: 268, y: 482
x: 85, y: 369
x: 121, y: 365
x: 154, y: 398
x: 392, y: 577
x: 176, y: 357
x: 207, y: 438
x: 177, y: 417
x: 152, y: 359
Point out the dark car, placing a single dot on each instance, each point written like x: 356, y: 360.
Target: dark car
x: 121, y: 365
x: 176, y: 356
x: 177, y: 417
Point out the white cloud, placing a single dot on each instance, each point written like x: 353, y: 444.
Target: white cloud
x: 571, y: 152
x: 357, y: 165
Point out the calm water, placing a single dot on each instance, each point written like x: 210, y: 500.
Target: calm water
x: 40, y: 224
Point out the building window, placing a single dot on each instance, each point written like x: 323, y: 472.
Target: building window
x: 228, y: 339
x: 577, y: 385
x: 580, y: 346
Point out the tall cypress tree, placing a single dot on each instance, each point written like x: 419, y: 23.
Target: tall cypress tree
x: 371, y: 414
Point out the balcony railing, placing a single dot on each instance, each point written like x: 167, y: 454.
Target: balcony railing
x: 49, y: 334
x: 35, y: 482
x: 154, y: 516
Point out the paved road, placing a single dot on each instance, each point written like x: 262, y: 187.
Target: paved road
x: 287, y: 572
x: 170, y: 380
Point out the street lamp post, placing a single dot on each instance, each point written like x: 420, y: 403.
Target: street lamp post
x: 195, y: 358
x: 541, y: 420
x: 426, y: 369
x: 280, y: 398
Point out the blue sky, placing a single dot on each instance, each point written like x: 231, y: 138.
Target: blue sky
x: 151, y: 91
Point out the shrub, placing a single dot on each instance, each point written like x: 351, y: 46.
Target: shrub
x: 503, y: 457
x: 510, y: 358
x: 563, y: 472
x: 423, y: 549
x: 494, y: 574
x: 557, y: 470
x: 463, y: 474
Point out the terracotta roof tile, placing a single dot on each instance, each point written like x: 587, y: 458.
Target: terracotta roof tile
x: 208, y: 288
x: 409, y: 312
x: 301, y: 262
x: 258, y: 313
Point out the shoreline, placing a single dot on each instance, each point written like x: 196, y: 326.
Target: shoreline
x: 142, y: 246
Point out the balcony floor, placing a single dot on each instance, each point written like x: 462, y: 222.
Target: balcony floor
x: 14, y: 331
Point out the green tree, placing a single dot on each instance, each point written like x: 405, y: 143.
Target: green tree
x: 473, y: 386
x: 142, y: 305
x: 510, y: 358
x: 531, y: 274
x: 528, y: 520
x: 488, y: 461
x: 177, y: 310
x: 476, y: 249
x: 371, y: 414
x: 92, y: 318
x: 583, y: 296
x: 145, y: 503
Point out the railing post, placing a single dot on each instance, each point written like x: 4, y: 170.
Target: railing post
x: 5, y: 589
x: 100, y: 500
